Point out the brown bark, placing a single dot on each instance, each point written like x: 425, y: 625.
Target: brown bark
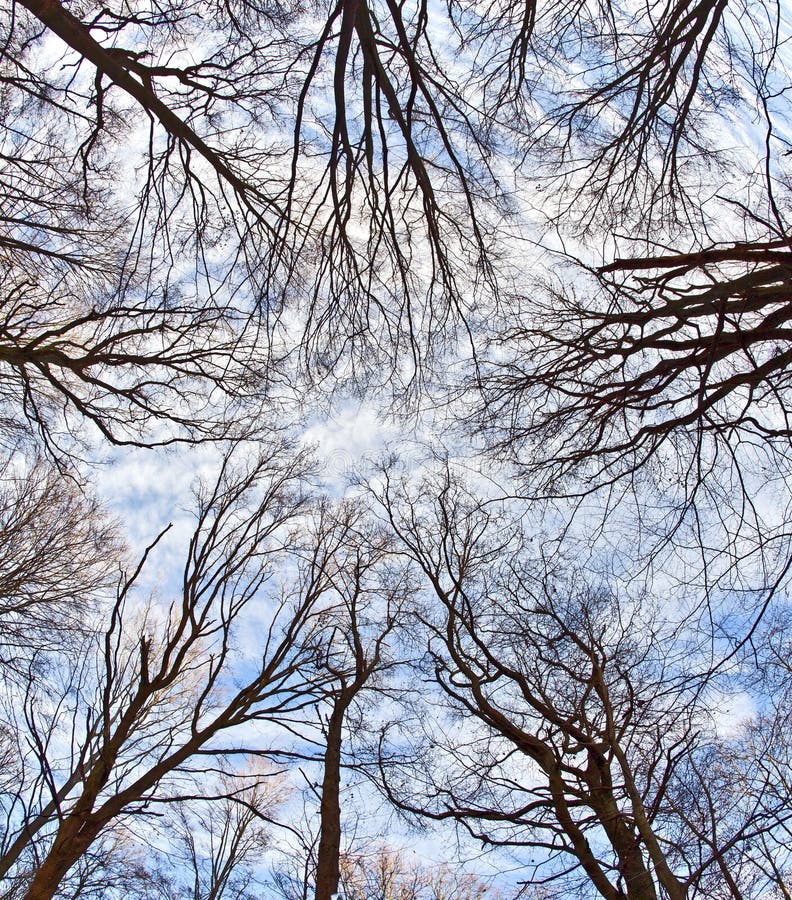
x: 327, y: 866
x: 33, y: 827
x: 626, y: 844
x: 772, y: 251
x: 670, y: 883
x: 73, y: 839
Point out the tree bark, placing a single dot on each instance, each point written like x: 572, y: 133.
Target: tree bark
x: 327, y: 866
x: 71, y: 843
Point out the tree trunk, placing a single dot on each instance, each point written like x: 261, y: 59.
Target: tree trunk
x: 72, y: 841
x: 32, y: 828
x: 327, y: 866
x: 638, y: 880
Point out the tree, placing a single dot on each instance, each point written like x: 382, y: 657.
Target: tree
x: 205, y: 202
x: 666, y: 351
x: 373, y: 596
x: 75, y: 355
x: 368, y: 590
x: 221, y: 840
x: 387, y: 873
x: 387, y: 160
x: 666, y: 365
x: 96, y: 326
x: 59, y: 554
x: 212, y: 172
x: 203, y: 847
x: 146, y: 707
x: 590, y: 717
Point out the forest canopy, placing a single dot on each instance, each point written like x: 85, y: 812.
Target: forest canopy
x: 395, y: 450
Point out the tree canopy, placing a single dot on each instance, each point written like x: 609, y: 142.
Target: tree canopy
x: 538, y: 255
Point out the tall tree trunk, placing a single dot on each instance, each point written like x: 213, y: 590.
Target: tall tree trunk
x: 327, y: 866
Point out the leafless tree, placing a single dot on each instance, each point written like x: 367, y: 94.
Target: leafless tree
x: 388, y: 873
x: 368, y: 592
x: 374, y: 592
x: 94, y: 326
x: 674, y: 371
x: 629, y: 105
x: 220, y: 841
x: 337, y: 209
x: 139, y: 716
x: 196, y: 195
x: 203, y: 847
x: 348, y: 162
x: 137, y: 369
x: 590, y: 718
x: 672, y: 354
x: 59, y: 554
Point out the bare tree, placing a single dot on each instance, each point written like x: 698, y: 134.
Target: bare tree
x: 670, y: 357
x: 368, y: 592
x: 386, y: 872
x: 96, y: 324
x: 151, y: 700
x: 690, y: 362
x: 402, y: 154
x: 373, y: 593
x: 627, y: 109
x: 198, y: 195
x: 347, y: 167
x: 59, y: 554
x: 590, y: 733
x: 72, y: 357
x: 220, y: 841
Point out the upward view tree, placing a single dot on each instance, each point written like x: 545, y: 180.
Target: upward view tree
x: 592, y: 738
x: 59, y: 554
x: 250, y: 208
x: 374, y: 596
x: 667, y: 349
x: 96, y: 325
x: 333, y: 162
x: 555, y: 234
x: 149, y: 699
